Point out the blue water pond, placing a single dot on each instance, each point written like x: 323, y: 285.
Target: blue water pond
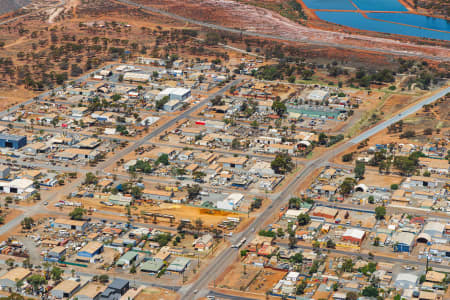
x: 357, y: 20
x: 412, y: 19
x: 380, y: 5
x: 330, y: 4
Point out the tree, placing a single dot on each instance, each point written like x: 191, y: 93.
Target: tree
x: 282, y: 163
x: 160, y: 103
x: 295, y: 203
x: 292, y: 241
x: 347, y: 157
x: 316, y: 245
x: 163, y: 239
x: 280, y: 232
x: 303, y: 219
x: 371, y: 199
x: 370, y: 291
x: 323, y: 138
x: 235, y: 144
x: 77, y: 213
x: 19, y: 284
x: 380, y: 212
x: 331, y: 244
x: 90, y: 178
x: 376, y: 242
x: 217, y: 101
x: 163, y: 159
x: 297, y: 258
x: 193, y: 191
x: 405, y: 164
x: 56, y: 273
x: 360, y: 168
x: 347, y: 265
x: 133, y: 268
x: 351, y: 296
x: 279, y: 107
x: 347, y: 186
x: 36, y: 281
x: 116, y: 97
x: 103, y: 278
x: 27, y: 223
x: 300, y: 290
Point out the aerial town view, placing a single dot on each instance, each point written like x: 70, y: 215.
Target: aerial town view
x: 224, y: 149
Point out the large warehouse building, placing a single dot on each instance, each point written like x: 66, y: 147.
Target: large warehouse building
x: 12, y: 141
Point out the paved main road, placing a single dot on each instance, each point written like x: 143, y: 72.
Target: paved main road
x: 165, y: 126
x: 227, y: 257
x: 399, y: 116
x: 39, y: 208
x: 403, y: 261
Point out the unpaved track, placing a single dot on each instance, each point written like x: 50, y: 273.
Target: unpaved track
x: 293, y: 32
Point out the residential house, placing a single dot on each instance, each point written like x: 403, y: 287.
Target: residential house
x: 203, y: 243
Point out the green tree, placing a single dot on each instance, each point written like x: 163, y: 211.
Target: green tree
x: 376, y: 242
x: 36, y: 281
x: 103, y: 278
x: 90, y: 178
x: 56, y: 273
x: 163, y: 159
x: 297, y: 258
x: 77, y: 213
x: 280, y: 232
x: 370, y: 291
x: 116, y: 97
x: 279, y: 107
x: 347, y: 265
x: 303, y: 219
x: 360, y: 168
x: 300, y: 290
x: 347, y: 186
x: 380, y: 212
x: 351, y: 296
x: 282, y: 163
x: 193, y: 191
x: 27, y: 223
x: 133, y: 268
x: 162, y: 239
x: 331, y: 244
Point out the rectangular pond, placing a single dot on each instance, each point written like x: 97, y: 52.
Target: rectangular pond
x: 412, y: 19
x: 380, y: 5
x: 358, y: 21
x: 329, y: 4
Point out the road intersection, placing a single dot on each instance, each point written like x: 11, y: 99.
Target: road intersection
x: 228, y: 255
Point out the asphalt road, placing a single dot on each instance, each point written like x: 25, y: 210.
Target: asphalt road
x: 412, y: 261
x: 37, y: 208
x: 413, y: 109
x: 164, y: 127
x: 226, y: 258
x: 281, y: 38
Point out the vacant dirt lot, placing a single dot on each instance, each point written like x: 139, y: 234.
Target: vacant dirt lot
x: 239, y: 277
x: 153, y: 293
x: 266, y: 280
